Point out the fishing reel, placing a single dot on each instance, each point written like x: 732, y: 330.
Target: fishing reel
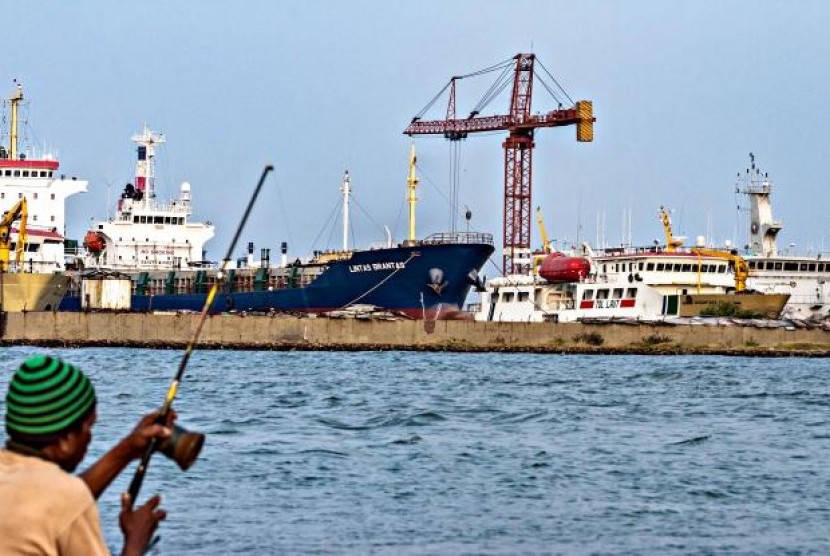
x: 182, y: 446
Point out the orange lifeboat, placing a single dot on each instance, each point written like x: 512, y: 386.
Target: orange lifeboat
x: 93, y: 242
x: 558, y: 267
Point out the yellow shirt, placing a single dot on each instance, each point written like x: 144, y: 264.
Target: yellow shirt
x: 45, y: 510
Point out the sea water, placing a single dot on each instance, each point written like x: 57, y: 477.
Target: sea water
x: 446, y: 453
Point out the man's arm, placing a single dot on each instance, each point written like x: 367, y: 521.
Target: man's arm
x: 101, y: 473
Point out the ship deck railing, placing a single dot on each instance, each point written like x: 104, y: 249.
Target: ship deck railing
x: 451, y: 238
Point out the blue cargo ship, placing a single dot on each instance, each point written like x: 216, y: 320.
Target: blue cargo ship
x: 153, y: 244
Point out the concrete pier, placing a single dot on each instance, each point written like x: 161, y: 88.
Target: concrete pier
x: 233, y: 331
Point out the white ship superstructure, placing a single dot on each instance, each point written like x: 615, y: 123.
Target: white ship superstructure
x: 804, y: 277
x: 146, y: 234
x: 33, y: 174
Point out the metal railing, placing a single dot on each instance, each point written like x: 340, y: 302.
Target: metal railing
x: 443, y: 238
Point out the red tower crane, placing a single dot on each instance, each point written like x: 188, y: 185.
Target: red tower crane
x: 520, y: 124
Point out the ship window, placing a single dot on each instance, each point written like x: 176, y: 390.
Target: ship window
x: 167, y: 220
x: 34, y: 217
x: 135, y: 219
x: 524, y: 296
x: 34, y: 195
x: 617, y: 293
x: 52, y: 218
x: 659, y: 267
x: 2, y: 195
x: 17, y: 173
x: 641, y: 266
x: 25, y: 173
x: 53, y: 196
x: 751, y: 265
x: 722, y: 268
x: 650, y: 266
x: 158, y: 220
x: 507, y: 297
x: 802, y: 267
x: 588, y: 294
x: 631, y: 293
x: 50, y: 174
x: 687, y: 268
x: 821, y: 267
x: 20, y: 195
x: 791, y: 266
x: 778, y: 266
x: 811, y: 267
x: 8, y: 172
x: 43, y: 173
x: 602, y: 294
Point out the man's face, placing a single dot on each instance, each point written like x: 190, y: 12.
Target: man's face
x: 76, y: 443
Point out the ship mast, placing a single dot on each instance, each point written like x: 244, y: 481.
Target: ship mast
x: 15, y: 99
x: 346, y: 190
x: 412, y: 184
x: 145, y: 173
x: 763, y: 228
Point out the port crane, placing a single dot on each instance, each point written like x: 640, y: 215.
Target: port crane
x: 672, y: 242
x: 18, y: 211
x: 521, y: 124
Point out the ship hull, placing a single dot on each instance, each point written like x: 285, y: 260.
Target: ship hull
x: 759, y: 305
x: 32, y: 291
x: 420, y: 281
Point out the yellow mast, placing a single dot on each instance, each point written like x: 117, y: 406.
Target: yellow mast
x: 412, y: 184
x: 16, y: 98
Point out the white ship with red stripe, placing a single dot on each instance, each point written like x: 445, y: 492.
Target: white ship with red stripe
x: 33, y: 173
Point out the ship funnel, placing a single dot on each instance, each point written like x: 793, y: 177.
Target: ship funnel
x: 284, y: 254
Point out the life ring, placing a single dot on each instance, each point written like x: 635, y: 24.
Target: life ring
x: 792, y: 284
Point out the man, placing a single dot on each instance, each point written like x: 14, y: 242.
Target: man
x: 44, y: 509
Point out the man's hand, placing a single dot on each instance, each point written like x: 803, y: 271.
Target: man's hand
x: 101, y: 473
x: 138, y: 525
x: 147, y: 428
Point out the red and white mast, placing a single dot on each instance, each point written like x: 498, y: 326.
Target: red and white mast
x: 145, y: 173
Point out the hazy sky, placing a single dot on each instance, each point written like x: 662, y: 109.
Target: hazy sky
x: 682, y: 92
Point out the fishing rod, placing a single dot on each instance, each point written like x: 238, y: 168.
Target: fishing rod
x: 183, y: 446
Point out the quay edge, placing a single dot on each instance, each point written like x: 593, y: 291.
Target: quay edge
x: 233, y: 331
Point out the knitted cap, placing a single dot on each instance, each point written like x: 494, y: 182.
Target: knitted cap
x: 47, y: 397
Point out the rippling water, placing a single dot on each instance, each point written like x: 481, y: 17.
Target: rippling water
x: 431, y: 453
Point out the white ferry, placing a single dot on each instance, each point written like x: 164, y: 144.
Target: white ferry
x: 636, y: 283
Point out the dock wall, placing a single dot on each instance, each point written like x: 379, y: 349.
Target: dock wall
x: 230, y: 331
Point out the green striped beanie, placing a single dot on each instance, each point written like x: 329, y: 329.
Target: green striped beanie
x: 46, y: 398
